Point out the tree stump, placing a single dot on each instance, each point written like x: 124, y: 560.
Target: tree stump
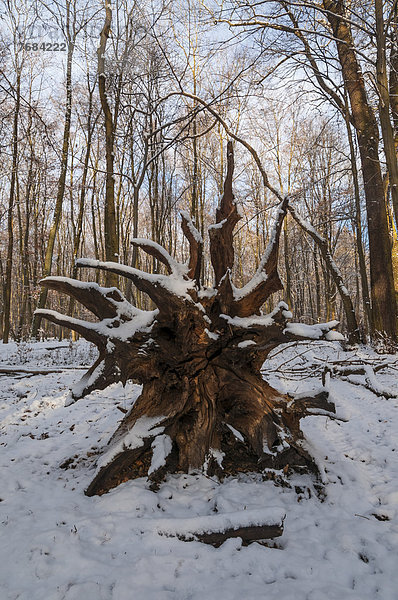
x: 204, y: 403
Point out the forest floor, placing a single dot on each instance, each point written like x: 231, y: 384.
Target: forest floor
x: 340, y: 539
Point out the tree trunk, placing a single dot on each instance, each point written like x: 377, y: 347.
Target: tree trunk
x: 288, y: 286
x: 381, y: 273
x: 60, y: 189
x: 10, y: 216
x: 317, y: 284
x: 358, y: 229
x: 24, y: 243
x: 79, y: 226
x: 110, y: 230
x: 384, y: 106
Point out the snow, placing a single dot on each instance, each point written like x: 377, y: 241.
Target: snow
x: 307, y: 226
x: 255, y: 281
x: 211, y: 334
x: 316, y: 331
x: 218, y: 456
x: 218, y: 225
x: 141, y: 321
x: 85, y: 285
x: 207, y: 292
x: 122, y: 307
x: 195, y: 233
x: 219, y: 522
x: 259, y: 320
x: 247, y: 322
x: 236, y: 433
x: 85, y: 382
x: 200, y: 306
x: 340, y: 542
x: 334, y: 336
x: 161, y: 447
x: 48, y: 354
x: 246, y: 343
x: 143, y: 428
x: 174, y: 283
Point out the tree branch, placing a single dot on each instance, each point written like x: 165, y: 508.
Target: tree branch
x: 354, y: 334
x: 87, y: 330
x: 158, y: 252
x: 104, y: 303
x: 266, y: 280
x: 195, y: 247
x: 227, y: 215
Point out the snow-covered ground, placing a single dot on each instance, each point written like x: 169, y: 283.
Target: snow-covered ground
x: 339, y: 542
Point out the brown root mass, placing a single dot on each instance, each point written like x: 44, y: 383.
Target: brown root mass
x: 198, y: 357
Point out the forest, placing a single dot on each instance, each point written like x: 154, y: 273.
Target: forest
x: 198, y: 305
x: 115, y: 118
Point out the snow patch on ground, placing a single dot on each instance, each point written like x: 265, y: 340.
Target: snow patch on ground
x: 339, y: 543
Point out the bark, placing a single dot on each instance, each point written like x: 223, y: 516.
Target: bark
x: 393, y: 79
x: 384, y: 106
x: 247, y: 534
x: 288, y: 286
x: 317, y: 284
x: 358, y: 229
x: 394, y: 253
x: 137, y: 176
x: 381, y: 273
x: 26, y: 314
x: 33, y: 372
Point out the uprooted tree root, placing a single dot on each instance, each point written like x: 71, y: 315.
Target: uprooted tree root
x: 204, y: 403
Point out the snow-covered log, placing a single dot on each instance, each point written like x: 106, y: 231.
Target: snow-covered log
x: 204, y: 403
x: 368, y: 371
x: 250, y: 526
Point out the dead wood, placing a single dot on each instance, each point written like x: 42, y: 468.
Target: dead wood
x: 204, y: 403
x: 17, y: 370
x: 247, y: 534
x: 195, y: 247
x: 368, y: 371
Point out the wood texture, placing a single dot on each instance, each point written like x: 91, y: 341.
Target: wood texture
x: 199, y: 363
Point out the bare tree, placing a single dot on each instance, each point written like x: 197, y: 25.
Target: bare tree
x: 110, y: 230
x: 18, y: 22
x: 71, y: 23
x: 286, y: 18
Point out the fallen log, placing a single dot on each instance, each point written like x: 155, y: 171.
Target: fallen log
x: 371, y: 383
x: 250, y: 526
x: 18, y: 370
x: 247, y: 534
